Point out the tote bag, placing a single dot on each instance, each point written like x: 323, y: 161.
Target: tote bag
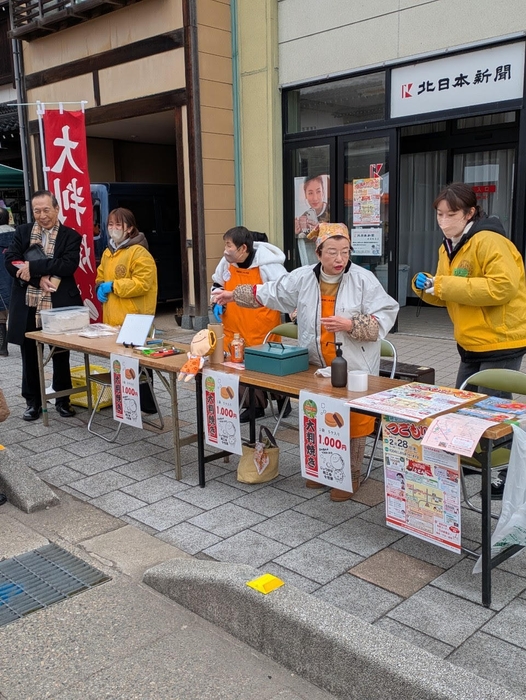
x: 260, y: 460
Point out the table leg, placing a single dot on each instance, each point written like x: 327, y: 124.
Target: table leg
x: 175, y: 426
x: 252, y: 413
x: 200, y: 429
x: 486, y: 446
x: 88, y: 383
x: 42, y: 380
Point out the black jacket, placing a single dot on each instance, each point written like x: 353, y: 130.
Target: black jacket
x: 64, y: 262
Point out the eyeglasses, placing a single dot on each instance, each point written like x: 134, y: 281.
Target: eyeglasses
x: 38, y: 212
x: 331, y: 253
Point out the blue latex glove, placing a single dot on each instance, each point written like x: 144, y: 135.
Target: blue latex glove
x: 218, y: 311
x: 103, y: 290
x: 423, y: 281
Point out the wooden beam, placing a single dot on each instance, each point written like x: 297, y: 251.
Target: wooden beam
x: 123, y: 54
x: 179, y: 152
x: 196, y: 160
x: 140, y: 106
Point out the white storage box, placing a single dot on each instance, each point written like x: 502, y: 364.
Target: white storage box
x: 66, y: 319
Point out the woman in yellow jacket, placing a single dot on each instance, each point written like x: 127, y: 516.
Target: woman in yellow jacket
x: 480, y: 280
x: 127, y: 279
x: 127, y: 275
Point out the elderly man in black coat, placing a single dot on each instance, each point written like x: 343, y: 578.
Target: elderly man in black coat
x: 37, y: 288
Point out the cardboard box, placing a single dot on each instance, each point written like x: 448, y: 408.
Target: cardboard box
x: 276, y: 358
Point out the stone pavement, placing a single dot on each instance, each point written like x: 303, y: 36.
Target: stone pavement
x: 339, y: 553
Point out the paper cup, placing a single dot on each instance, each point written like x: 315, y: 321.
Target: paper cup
x: 357, y: 380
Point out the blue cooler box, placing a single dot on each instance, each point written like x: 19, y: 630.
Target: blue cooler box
x: 276, y: 358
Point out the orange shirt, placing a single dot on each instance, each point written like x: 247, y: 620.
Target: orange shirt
x: 252, y: 324
x: 360, y: 424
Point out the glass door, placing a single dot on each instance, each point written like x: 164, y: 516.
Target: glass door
x: 422, y: 176
x: 491, y: 174
x: 309, y: 194
x: 437, y: 153
x: 366, y: 202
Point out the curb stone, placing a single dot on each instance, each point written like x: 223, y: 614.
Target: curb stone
x: 23, y: 488
x: 327, y: 646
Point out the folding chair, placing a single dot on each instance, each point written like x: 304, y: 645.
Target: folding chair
x: 104, y: 380
x: 387, y: 351
x: 508, y: 380
x: 285, y: 330
x: 307, y: 251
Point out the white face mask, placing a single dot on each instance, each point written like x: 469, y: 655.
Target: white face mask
x: 117, y: 235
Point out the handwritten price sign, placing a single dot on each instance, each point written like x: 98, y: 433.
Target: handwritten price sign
x: 324, y: 436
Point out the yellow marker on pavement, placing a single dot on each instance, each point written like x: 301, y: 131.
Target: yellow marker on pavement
x: 266, y: 583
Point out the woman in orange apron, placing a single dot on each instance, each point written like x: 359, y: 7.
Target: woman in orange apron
x: 247, y: 262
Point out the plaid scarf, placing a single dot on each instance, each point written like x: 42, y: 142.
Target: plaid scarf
x: 35, y: 297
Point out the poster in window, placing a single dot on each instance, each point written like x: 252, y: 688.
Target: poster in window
x: 311, y: 203
x: 366, y: 201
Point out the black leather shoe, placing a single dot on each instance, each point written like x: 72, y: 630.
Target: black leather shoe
x: 244, y: 417
x: 65, y: 410
x: 3, y: 499
x: 32, y: 413
x: 497, y: 485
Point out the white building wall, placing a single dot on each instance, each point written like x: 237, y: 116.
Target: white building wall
x: 322, y: 37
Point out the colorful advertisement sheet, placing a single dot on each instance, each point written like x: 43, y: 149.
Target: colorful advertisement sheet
x: 125, y: 388
x: 325, y: 440
x: 221, y: 411
x: 366, y: 201
x: 422, y: 485
x: 416, y: 402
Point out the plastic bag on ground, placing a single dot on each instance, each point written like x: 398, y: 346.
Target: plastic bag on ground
x: 511, y: 526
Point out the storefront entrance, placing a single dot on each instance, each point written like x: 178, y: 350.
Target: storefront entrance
x: 343, y: 180
x: 349, y: 179
x: 374, y: 150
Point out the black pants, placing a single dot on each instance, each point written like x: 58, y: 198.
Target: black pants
x: 30, y: 376
x: 145, y: 395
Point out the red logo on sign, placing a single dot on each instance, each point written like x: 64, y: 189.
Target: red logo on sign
x: 406, y: 90
x: 406, y: 430
x: 482, y: 189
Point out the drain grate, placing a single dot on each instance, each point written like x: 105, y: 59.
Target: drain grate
x: 40, y: 578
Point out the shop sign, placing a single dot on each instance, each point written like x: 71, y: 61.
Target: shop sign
x: 367, y: 241
x: 465, y: 80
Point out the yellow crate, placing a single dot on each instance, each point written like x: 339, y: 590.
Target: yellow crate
x: 78, y: 378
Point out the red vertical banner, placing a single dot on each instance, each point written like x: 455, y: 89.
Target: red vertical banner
x: 68, y: 180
